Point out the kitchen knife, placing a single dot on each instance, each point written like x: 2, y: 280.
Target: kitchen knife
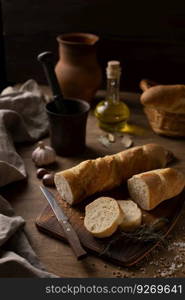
x: 63, y: 220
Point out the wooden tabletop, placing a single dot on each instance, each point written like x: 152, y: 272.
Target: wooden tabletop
x: 26, y: 199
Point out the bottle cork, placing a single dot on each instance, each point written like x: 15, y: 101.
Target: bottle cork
x: 113, y: 69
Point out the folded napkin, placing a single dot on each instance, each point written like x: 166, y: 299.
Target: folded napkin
x: 17, y: 258
x: 22, y: 119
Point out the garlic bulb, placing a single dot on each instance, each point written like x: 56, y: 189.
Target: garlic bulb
x: 43, y: 155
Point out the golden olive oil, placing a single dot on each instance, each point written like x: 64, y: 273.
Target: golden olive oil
x: 112, y: 113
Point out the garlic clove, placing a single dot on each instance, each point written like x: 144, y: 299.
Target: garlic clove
x: 127, y: 141
x: 48, y: 180
x: 43, y: 155
x: 41, y: 172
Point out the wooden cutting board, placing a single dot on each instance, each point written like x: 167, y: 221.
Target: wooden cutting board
x: 119, y: 248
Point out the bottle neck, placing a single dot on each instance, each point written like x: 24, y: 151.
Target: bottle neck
x: 113, y: 90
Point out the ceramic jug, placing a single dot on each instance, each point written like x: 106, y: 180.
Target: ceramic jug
x: 78, y: 72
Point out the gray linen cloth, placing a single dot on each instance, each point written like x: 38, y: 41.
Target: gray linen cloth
x: 22, y: 119
x: 17, y: 258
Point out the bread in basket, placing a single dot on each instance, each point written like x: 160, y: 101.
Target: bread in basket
x: 164, y: 106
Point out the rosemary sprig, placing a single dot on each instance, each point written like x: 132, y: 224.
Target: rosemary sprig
x: 145, y: 233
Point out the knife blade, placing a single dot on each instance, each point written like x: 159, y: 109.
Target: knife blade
x: 63, y: 220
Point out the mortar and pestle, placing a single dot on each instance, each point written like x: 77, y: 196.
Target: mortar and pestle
x: 67, y: 116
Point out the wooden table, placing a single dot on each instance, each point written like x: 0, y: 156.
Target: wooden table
x: 26, y: 198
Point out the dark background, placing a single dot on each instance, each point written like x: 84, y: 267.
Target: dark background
x: 148, y: 37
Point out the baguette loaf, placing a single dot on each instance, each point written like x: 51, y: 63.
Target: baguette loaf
x: 168, y: 98
x: 164, y: 106
x: 105, y: 173
x: 151, y: 188
x: 132, y: 215
x: 102, y: 217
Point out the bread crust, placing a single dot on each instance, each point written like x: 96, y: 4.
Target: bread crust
x: 169, y: 98
x: 108, y: 230
x: 162, y: 184
x: 129, y: 223
x: 164, y: 106
x: 105, y: 173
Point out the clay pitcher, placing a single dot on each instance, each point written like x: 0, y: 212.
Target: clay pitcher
x: 78, y: 72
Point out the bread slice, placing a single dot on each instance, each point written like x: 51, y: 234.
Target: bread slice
x: 132, y: 215
x: 151, y: 188
x: 102, y: 217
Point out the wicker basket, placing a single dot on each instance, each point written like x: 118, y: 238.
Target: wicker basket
x: 166, y: 123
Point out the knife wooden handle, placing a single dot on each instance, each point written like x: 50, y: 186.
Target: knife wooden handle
x: 73, y: 240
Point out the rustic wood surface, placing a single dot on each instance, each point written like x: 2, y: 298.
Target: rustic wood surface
x: 122, y: 250
x: 26, y: 198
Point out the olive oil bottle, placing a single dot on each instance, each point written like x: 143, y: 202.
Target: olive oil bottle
x: 112, y: 113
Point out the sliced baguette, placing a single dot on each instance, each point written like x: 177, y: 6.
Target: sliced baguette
x: 105, y: 173
x: 132, y: 215
x: 151, y: 188
x: 102, y: 217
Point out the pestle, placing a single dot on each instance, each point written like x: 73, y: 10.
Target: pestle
x: 46, y: 58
